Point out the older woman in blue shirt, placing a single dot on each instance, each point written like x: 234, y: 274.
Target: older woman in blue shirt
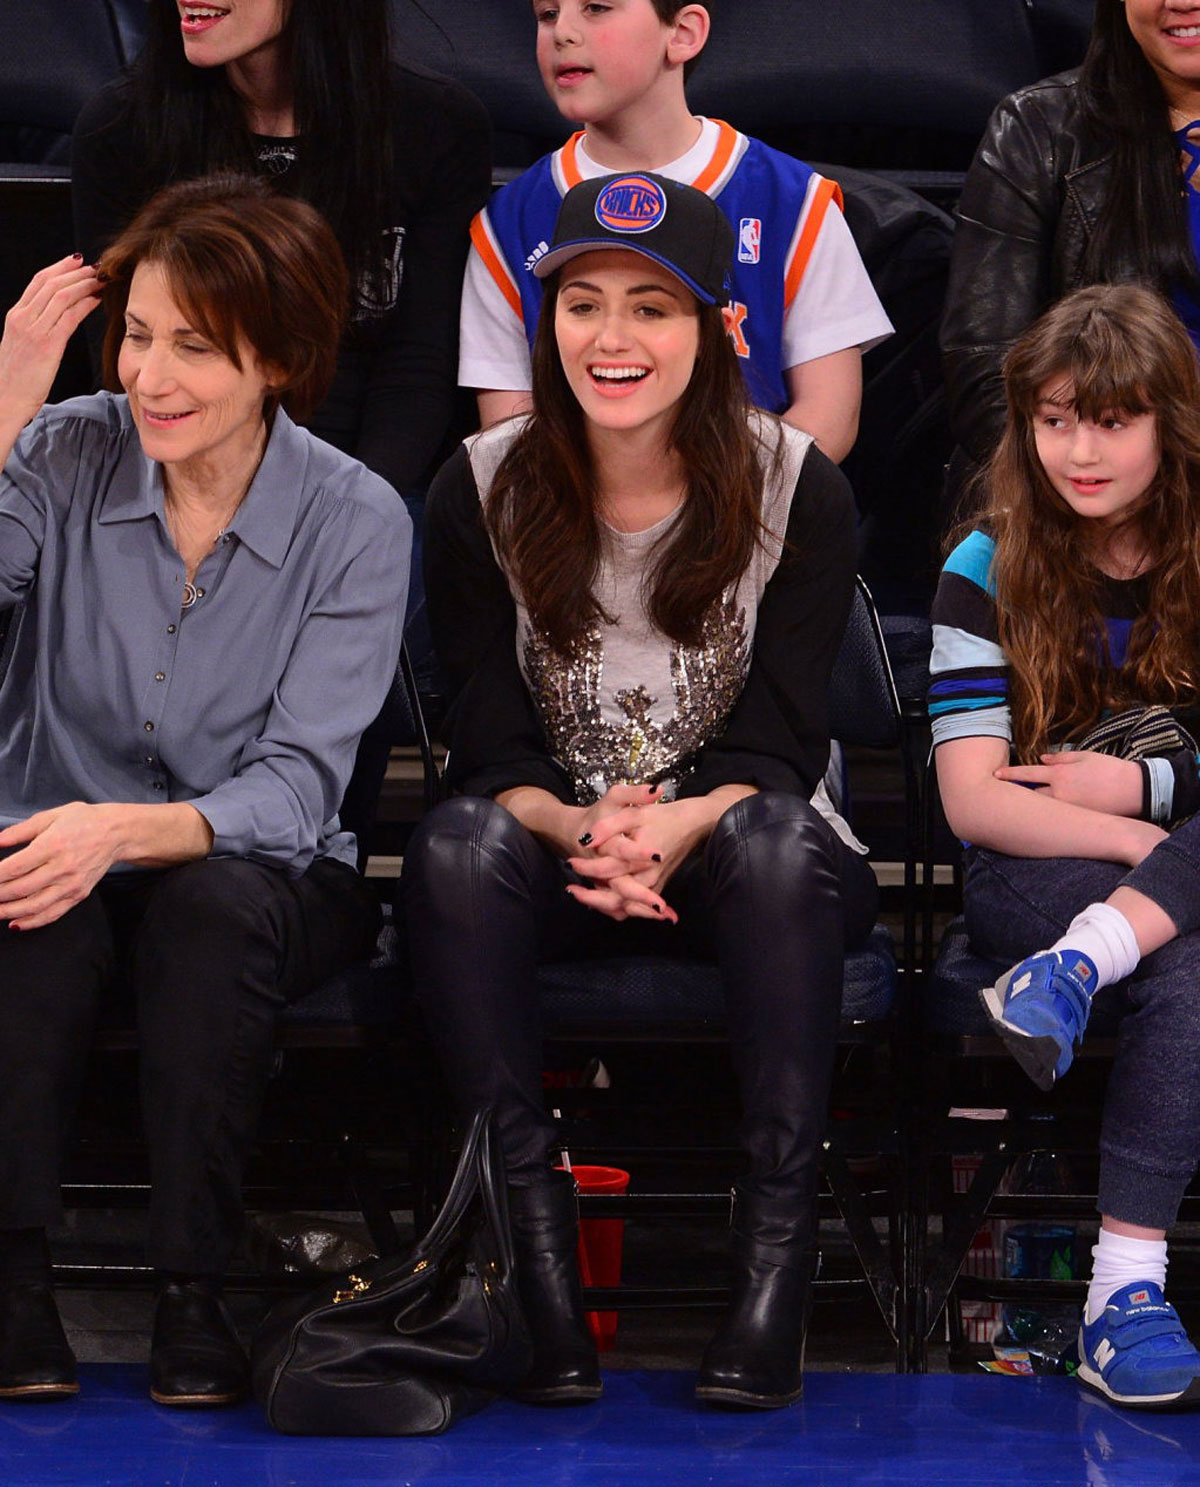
x: 211, y: 605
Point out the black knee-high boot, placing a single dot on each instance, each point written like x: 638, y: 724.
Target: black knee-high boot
x: 545, y: 1225
x: 756, y: 1360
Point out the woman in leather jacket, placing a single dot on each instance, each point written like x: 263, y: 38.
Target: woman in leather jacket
x: 1081, y: 178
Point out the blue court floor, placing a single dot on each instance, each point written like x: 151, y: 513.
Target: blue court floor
x: 850, y: 1428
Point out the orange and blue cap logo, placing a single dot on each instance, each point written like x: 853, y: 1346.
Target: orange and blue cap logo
x: 631, y: 204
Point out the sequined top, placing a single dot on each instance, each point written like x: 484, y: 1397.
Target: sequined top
x: 746, y: 706
x: 629, y: 705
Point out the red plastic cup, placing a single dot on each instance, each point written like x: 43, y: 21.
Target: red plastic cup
x: 600, y: 1244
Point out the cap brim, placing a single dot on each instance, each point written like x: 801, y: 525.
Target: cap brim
x: 566, y: 251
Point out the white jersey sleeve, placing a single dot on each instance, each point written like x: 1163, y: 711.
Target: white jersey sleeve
x: 836, y: 305
x: 493, y: 354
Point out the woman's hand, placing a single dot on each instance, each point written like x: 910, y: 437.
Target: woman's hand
x: 64, y: 854
x: 1099, y: 782
x: 36, y: 332
x: 631, y: 862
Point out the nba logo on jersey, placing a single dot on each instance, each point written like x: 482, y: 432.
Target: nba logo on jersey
x: 749, y: 239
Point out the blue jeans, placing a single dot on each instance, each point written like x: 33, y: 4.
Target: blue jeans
x: 1150, y: 1133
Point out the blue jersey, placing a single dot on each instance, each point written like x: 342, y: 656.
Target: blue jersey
x: 776, y: 205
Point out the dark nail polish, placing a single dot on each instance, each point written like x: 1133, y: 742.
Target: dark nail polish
x: 657, y: 908
x: 78, y: 256
x: 656, y: 857
x: 585, y: 839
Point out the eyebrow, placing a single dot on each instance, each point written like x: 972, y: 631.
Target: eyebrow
x: 633, y: 288
x: 180, y: 330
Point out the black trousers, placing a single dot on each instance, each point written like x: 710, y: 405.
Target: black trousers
x: 208, y: 952
x: 774, y: 897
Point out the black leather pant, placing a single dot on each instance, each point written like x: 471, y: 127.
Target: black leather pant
x: 774, y: 898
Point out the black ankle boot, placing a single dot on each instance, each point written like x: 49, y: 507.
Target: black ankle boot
x: 756, y: 1360
x: 36, y: 1361
x: 545, y: 1225
x: 196, y: 1360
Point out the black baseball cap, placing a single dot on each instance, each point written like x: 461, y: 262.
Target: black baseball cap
x: 675, y: 225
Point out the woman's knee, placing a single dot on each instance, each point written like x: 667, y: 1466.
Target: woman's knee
x: 777, y: 835
x: 215, y: 896
x: 451, y: 844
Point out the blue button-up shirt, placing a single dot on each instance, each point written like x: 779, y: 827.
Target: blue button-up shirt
x: 249, y: 704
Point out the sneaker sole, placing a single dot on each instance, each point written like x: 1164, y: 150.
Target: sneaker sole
x: 1037, y: 1053
x: 1188, y: 1398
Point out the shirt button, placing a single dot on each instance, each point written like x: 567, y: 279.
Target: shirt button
x: 199, y: 593
x: 226, y: 540
x: 170, y: 629
x: 160, y: 676
x: 150, y: 759
x: 158, y: 785
x: 149, y: 727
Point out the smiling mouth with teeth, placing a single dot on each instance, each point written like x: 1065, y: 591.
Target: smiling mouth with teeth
x: 194, y: 14
x: 619, y: 374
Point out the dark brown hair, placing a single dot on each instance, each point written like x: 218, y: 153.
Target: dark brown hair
x: 1117, y: 349
x: 1142, y: 225
x: 245, y: 266
x: 191, y: 122
x: 541, y: 511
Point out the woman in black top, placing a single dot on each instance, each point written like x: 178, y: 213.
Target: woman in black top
x: 1089, y: 177
x: 395, y: 158
x: 637, y: 595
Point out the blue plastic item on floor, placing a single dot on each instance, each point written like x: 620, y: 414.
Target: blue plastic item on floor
x: 647, y: 1430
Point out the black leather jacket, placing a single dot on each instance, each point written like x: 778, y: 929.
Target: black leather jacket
x: 1028, y: 208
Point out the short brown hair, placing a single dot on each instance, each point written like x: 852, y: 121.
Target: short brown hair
x: 244, y: 265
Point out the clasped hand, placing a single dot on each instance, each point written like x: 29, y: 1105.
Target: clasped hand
x: 630, y: 844
x: 63, y: 854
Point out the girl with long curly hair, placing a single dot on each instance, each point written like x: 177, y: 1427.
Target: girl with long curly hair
x: 637, y: 594
x: 1065, y: 675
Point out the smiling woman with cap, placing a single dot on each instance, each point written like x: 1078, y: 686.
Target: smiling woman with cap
x: 637, y: 594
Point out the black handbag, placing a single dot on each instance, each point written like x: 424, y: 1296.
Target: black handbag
x: 408, y: 1345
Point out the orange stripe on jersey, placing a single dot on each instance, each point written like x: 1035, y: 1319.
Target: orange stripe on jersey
x: 570, y: 165
x: 726, y: 142
x: 495, y: 265
x: 825, y: 192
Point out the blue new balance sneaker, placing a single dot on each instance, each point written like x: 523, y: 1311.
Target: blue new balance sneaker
x: 1136, y: 1352
x: 1040, y: 1009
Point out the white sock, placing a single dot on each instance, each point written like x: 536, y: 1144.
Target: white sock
x: 1106, y: 937
x: 1117, y: 1261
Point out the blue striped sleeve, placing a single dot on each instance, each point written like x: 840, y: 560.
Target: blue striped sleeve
x: 968, y: 687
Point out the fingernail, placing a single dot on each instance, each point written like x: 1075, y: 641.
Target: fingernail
x: 656, y: 857
x: 585, y: 839
x: 78, y: 257
x: 657, y: 908
x: 654, y: 789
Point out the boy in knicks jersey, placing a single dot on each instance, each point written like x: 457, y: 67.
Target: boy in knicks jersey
x: 802, y: 307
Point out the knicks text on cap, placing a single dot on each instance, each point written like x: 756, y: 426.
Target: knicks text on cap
x: 631, y: 204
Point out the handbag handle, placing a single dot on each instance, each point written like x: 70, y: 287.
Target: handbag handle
x: 493, y: 1181
x: 480, y: 1170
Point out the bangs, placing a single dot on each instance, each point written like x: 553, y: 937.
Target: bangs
x: 1095, y: 392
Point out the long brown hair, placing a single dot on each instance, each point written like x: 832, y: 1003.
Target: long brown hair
x: 1120, y: 349
x: 541, y: 511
